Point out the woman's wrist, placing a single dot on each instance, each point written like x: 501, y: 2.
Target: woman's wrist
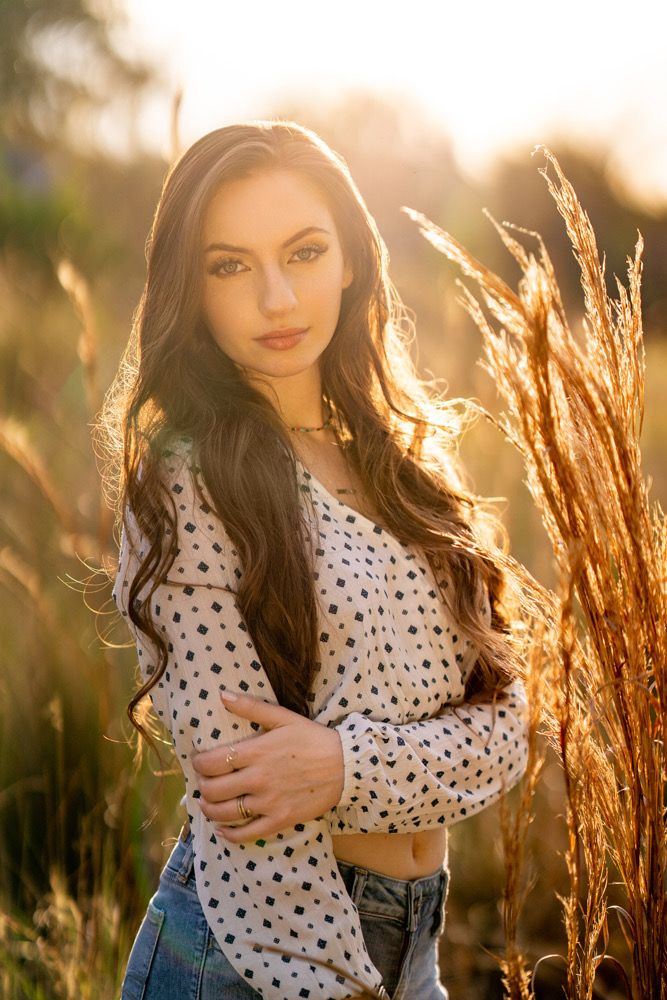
x: 337, y: 767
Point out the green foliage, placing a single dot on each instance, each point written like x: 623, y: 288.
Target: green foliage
x: 34, y: 211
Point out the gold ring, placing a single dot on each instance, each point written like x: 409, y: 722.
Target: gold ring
x: 243, y: 812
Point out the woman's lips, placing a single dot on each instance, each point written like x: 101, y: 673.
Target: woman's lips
x: 282, y: 342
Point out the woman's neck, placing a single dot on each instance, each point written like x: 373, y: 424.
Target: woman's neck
x: 296, y: 398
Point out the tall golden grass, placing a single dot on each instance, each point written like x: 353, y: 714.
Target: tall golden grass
x: 68, y: 938
x: 575, y: 412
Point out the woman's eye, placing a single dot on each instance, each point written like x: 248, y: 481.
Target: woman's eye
x: 227, y: 266
x: 309, y: 252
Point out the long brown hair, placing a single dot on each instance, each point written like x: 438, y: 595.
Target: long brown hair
x: 401, y: 435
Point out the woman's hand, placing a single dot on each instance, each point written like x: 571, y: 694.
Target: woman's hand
x: 291, y: 773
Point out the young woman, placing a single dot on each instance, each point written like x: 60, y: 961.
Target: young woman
x: 295, y: 529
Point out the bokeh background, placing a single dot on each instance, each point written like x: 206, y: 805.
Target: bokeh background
x: 435, y: 106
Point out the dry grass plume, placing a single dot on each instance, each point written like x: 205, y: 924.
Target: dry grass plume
x: 575, y: 412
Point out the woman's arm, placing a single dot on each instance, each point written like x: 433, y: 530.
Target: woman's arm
x: 422, y: 775
x: 278, y: 906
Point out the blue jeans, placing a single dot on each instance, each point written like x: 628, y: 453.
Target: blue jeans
x: 175, y: 954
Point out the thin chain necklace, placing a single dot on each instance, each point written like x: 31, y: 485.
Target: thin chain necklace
x: 309, y: 430
x: 327, y: 423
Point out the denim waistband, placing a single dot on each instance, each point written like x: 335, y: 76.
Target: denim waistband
x: 408, y: 899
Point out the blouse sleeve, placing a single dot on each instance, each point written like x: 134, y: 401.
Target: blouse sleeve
x: 278, y: 907
x: 433, y: 772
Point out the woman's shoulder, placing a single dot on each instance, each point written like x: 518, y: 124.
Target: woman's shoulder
x: 180, y: 476
x: 176, y: 457
x: 203, y: 540
x: 175, y: 448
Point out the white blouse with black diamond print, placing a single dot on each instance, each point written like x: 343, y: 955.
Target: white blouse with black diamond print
x: 391, y: 682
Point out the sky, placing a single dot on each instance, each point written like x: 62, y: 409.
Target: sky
x: 495, y: 76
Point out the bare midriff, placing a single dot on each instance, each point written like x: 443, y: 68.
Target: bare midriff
x: 398, y: 855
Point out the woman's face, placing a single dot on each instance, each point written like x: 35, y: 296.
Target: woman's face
x: 273, y: 264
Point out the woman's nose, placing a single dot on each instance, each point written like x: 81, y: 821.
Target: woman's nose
x: 276, y: 294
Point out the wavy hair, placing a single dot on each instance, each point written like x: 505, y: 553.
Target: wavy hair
x: 400, y: 434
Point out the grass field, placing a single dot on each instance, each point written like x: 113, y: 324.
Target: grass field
x: 85, y: 830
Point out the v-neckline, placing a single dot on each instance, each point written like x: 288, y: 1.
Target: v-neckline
x: 377, y: 528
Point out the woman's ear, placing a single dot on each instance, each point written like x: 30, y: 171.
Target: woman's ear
x: 348, y: 275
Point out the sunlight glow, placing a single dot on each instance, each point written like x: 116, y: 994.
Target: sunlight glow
x: 494, y: 76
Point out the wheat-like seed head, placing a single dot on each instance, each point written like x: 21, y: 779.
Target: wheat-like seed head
x: 575, y: 414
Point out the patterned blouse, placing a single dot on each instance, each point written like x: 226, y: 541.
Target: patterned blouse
x: 391, y: 682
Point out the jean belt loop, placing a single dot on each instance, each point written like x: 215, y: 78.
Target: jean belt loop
x: 413, y: 906
x: 360, y: 879
x: 185, y: 866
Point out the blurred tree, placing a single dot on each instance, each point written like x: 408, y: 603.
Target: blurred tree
x: 57, y: 60
x: 67, y: 89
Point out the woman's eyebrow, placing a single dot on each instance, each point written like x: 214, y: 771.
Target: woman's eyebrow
x: 297, y: 236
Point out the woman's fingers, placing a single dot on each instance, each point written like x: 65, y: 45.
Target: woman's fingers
x: 225, y: 759
x: 227, y: 786
x: 262, y: 826
x: 228, y: 811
